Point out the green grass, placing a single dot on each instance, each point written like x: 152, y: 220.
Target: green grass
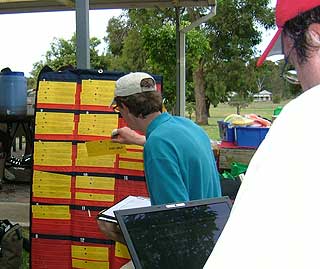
x: 263, y: 109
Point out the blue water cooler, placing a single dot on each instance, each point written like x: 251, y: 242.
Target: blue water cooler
x: 13, y: 95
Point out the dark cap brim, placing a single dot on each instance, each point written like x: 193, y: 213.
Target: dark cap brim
x: 113, y: 102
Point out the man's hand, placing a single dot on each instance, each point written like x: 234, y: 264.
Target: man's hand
x: 128, y: 136
x: 111, y: 231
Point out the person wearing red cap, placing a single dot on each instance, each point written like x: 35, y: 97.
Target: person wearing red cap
x: 274, y: 223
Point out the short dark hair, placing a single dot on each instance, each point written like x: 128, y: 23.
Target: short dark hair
x: 296, y: 29
x: 141, y: 104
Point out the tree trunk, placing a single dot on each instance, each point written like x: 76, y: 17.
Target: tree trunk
x: 208, y: 103
x: 199, y: 93
x: 238, y: 109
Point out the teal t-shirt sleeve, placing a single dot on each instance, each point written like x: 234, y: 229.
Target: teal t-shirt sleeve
x: 165, y: 183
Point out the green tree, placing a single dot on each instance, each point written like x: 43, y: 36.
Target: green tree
x: 62, y: 53
x: 155, y: 32
x: 117, y: 32
x: 133, y: 52
x: 225, y: 42
x: 233, y: 36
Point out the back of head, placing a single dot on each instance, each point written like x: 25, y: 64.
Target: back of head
x: 297, y: 29
x: 133, y: 83
x: 293, y: 16
x: 139, y: 93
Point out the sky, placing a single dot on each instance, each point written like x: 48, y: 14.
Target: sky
x: 25, y: 38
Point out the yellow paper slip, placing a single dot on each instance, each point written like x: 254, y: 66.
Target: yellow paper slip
x: 54, y: 129
x: 96, y: 162
x: 57, y: 92
x: 84, y: 264
x: 52, y: 194
x: 97, y: 124
x: 91, y: 253
x: 94, y: 196
x: 65, y: 209
x: 50, y: 123
x: 38, y: 160
x: 51, y: 179
x: 52, y: 147
x: 53, y: 117
x: 48, y: 215
x: 52, y: 183
x: 104, y: 147
x: 92, y: 89
x: 97, y: 101
x: 99, y: 118
x: 131, y: 165
x: 92, y: 85
x: 103, y: 183
x: 132, y: 155
x: 51, y: 212
x: 121, y: 251
x: 50, y: 188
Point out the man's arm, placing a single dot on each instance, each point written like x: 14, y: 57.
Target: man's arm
x: 111, y: 231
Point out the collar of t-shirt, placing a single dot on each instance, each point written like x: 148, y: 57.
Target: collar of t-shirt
x: 163, y: 117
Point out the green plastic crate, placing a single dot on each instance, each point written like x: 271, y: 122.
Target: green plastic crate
x: 238, y: 168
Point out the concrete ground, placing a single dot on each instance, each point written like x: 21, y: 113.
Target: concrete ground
x: 15, y: 202
x: 15, y: 196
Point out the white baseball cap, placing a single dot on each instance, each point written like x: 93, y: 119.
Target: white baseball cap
x: 133, y: 83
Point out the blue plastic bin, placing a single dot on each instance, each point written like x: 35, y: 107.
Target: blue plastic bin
x: 250, y: 136
x: 226, y: 131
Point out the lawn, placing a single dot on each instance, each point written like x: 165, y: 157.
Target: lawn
x: 263, y: 109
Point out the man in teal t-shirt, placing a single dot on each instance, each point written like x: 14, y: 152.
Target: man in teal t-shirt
x: 178, y: 160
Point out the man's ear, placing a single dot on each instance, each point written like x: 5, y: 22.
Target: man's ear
x: 313, y: 35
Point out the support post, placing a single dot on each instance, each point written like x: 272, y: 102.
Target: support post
x: 82, y: 34
x: 178, y: 65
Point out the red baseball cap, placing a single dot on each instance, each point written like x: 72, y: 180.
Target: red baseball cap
x: 285, y: 11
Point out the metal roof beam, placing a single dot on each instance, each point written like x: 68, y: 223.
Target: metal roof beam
x: 67, y: 3
x: 24, y: 6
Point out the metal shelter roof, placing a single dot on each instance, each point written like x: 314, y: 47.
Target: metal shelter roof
x: 22, y: 6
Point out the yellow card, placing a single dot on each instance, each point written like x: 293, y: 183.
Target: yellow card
x: 51, y: 212
x: 97, y: 124
x: 94, y: 196
x: 121, y: 251
x: 87, y: 264
x: 57, y: 92
x: 89, y: 182
x: 131, y: 165
x: 90, y: 253
x: 97, y: 92
x: 52, y: 194
x: 104, y: 147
